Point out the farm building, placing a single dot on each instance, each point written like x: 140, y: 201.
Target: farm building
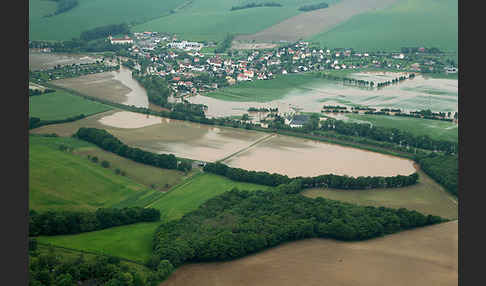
x: 299, y: 120
x: 120, y: 41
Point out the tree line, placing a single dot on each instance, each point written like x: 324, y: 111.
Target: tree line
x: 72, y: 222
x: 225, y: 44
x: 238, y: 223
x: 442, y: 168
x: 50, y: 268
x: 35, y: 122
x: 35, y: 92
x: 311, y: 7
x: 254, y: 5
x: 63, y: 6
x: 322, y: 181
x: 108, y: 142
x: 392, y: 135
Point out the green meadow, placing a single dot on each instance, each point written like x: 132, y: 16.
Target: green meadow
x: 61, y: 180
x: 61, y: 104
x: 265, y: 90
x: 407, y: 23
x: 212, y: 20
x: 90, y: 14
x: 435, y: 129
x: 135, y: 241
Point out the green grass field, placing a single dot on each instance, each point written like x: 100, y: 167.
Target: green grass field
x: 190, y: 195
x: 435, y: 129
x: 212, y: 20
x: 90, y: 14
x: 61, y: 105
x: 407, y: 23
x: 427, y: 197
x: 135, y: 241
x: 62, y: 180
x: 265, y: 90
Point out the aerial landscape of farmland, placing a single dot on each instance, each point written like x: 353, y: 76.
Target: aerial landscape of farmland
x: 243, y: 142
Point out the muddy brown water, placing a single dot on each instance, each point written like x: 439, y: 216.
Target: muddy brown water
x: 299, y: 157
x: 425, y: 256
x: 282, y: 154
x: 117, y: 86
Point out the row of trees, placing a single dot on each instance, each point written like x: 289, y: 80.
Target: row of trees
x: 311, y: 7
x: 238, y: 223
x: 71, y: 222
x: 106, y: 141
x: 34, y: 92
x: 254, y: 5
x: 225, y: 44
x: 63, y: 6
x: 327, y: 181
x: 35, y: 122
x: 50, y: 268
x: 442, y: 168
x: 392, y: 135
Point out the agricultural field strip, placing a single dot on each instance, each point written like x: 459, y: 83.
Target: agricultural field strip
x: 315, y: 22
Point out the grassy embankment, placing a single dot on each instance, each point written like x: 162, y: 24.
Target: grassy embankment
x: 61, y: 105
x: 135, y: 241
x: 428, y: 23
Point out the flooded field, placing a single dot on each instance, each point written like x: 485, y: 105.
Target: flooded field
x: 299, y: 157
x: 411, y: 94
x: 422, y: 257
x: 116, y: 86
x: 42, y: 61
x: 246, y: 149
x: 181, y: 138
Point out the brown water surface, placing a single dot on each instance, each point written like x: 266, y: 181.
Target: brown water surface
x: 300, y: 157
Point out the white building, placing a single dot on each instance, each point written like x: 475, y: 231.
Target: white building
x: 121, y: 41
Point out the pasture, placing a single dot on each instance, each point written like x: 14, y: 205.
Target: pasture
x: 61, y: 105
x: 426, y: 197
x: 90, y: 14
x: 435, y: 129
x: 212, y: 20
x: 407, y: 23
x: 423, y: 256
x: 61, y: 180
x: 135, y: 241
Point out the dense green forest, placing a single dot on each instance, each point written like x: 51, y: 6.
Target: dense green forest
x: 49, y: 267
x: 35, y: 122
x: 442, y: 168
x: 108, y: 142
x: 238, y: 223
x: 327, y: 181
x: 71, y: 222
x: 312, y: 7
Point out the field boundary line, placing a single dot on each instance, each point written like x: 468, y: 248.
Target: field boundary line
x: 265, y: 138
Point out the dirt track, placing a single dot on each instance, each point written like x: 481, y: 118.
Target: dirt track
x: 315, y: 22
x: 426, y: 256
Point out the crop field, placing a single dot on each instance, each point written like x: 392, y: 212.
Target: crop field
x: 314, y: 22
x: 427, y: 197
x: 213, y: 20
x: 435, y: 129
x: 90, y: 14
x: 61, y: 105
x: 422, y: 257
x: 135, y: 241
x: 62, y: 180
x: 407, y: 23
